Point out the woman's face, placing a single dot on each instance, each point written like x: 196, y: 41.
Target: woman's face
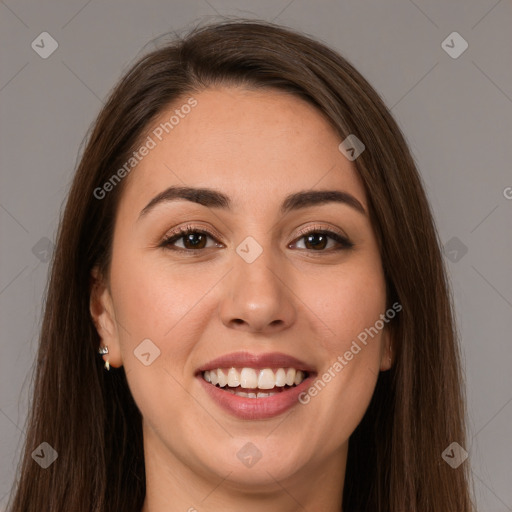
x: 256, y: 290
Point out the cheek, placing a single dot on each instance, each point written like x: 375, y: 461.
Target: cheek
x: 347, y: 303
x: 152, y: 298
x: 350, y: 306
x: 166, y: 304
x: 156, y: 303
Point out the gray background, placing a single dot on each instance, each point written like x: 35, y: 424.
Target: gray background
x: 455, y: 113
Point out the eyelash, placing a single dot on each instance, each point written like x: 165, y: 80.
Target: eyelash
x: 167, y: 242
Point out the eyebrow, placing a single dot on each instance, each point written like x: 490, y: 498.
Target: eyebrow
x: 215, y: 199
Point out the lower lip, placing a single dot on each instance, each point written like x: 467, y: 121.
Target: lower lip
x: 256, y: 408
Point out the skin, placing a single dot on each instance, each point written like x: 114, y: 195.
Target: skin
x: 256, y: 147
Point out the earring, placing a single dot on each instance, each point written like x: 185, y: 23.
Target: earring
x: 103, y: 351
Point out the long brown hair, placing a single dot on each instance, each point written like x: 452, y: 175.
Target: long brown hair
x: 89, y: 416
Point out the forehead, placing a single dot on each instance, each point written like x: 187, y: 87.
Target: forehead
x: 256, y: 146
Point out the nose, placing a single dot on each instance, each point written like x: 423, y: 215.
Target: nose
x: 258, y: 297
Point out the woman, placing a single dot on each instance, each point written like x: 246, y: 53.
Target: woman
x: 248, y: 246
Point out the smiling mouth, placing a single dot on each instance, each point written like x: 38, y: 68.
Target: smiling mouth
x: 254, y: 383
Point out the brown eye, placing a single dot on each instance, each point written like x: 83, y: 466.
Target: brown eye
x: 319, y: 240
x: 316, y: 241
x: 192, y: 239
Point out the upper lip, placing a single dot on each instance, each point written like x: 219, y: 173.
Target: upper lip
x: 256, y: 361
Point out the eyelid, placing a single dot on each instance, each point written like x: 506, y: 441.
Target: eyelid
x: 182, y: 230
x: 318, y: 227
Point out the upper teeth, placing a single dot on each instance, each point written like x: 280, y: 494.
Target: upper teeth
x: 266, y: 378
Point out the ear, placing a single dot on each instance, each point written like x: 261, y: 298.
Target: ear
x: 386, y: 360
x: 102, y: 312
